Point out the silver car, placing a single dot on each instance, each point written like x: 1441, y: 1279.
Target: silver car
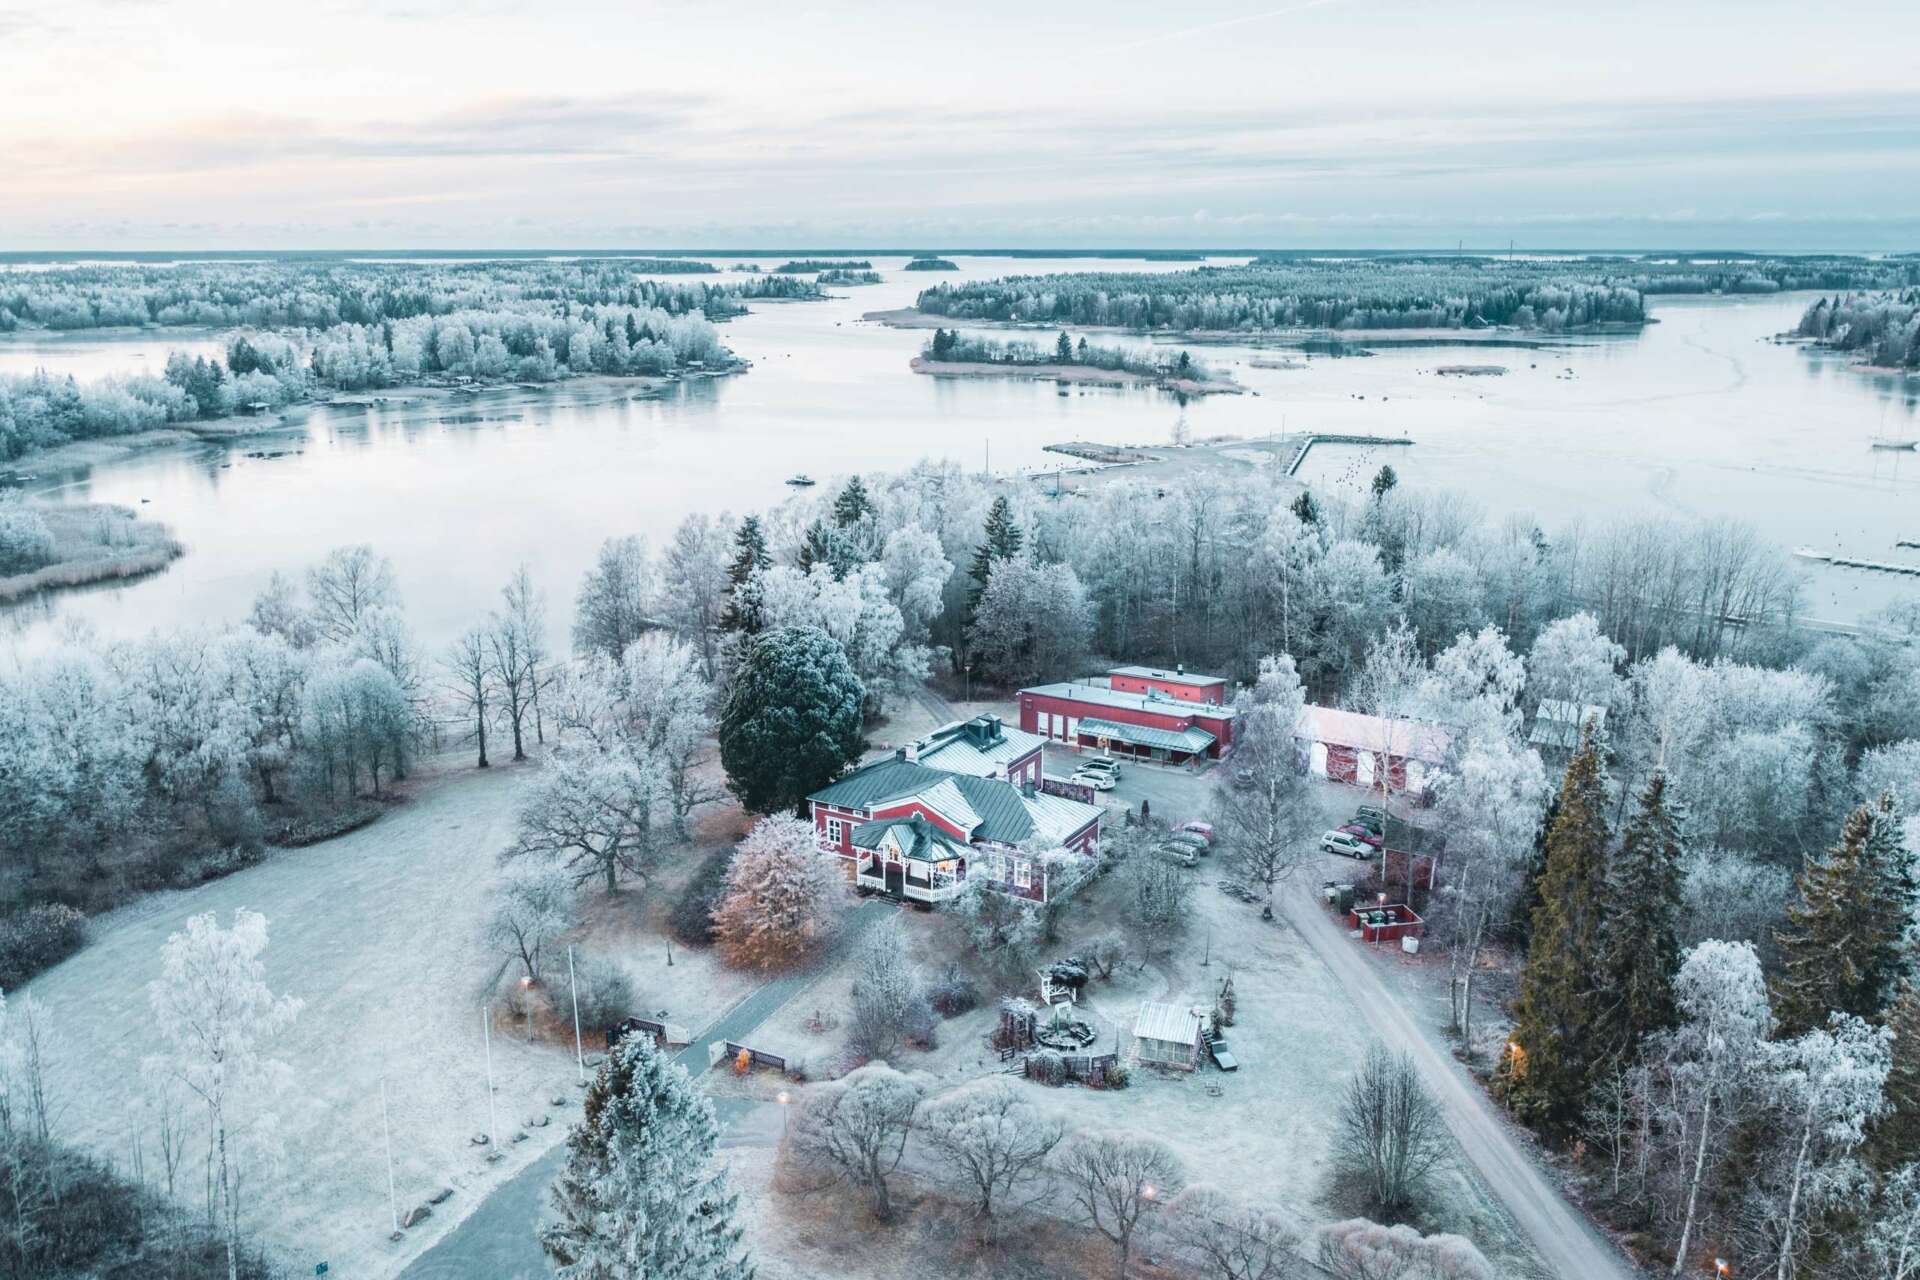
x: 1346, y: 844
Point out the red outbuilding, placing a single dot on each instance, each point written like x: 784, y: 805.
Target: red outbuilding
x: 1135, y: 711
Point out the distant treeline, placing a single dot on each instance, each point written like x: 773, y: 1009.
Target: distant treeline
x: 273, y: 370
x: 931, y: 264
x: 319, y: 295
x: 838, y: 276
x: 951, y: 345
x: 1362, y: 292
x: 670, y: 266
x: 806, y: 266
x: 1885, y: 327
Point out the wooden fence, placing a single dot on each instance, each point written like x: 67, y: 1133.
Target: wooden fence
x: 1090, y: 1067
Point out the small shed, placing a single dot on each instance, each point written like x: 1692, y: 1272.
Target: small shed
x: 1167, y: 1035
x: 1385, y: 922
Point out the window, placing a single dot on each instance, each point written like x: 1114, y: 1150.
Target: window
x: 1022, y: 874
x: 836, y: 832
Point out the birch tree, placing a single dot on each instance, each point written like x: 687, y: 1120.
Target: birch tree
x: 1265, y: 812
x: 856, y: 1128
x: 1390, y: 686
x: 610, y: 611
x: 694, y: 583
x: 216, y: 1016
x: 1892, y: 1245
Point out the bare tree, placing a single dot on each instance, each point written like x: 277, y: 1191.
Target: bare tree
x: 534, y: 906
x: 1391, y: 688
x: 1360, y: 1250
x: 1114, y: 1177
x: 856, y: 1128
x: 995, y: 1141
x: 1157, y: 895
x: 611, y: 610
x: 694, y: 582
x: 592, y: 811
x: 1263, y: 813
x: 1391, y: 1131
x: 347, y: 587
x: 26, y: 1032
x: 1237, y: 1240
x: 889, y: 995
x: 516, y: 647
x: 472, y: 679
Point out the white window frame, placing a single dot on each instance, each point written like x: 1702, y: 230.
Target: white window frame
x: 837, y: 832
x: 1022, y: 873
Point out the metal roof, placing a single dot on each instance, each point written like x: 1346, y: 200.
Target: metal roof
x: 1171, y: 677
x: 1173, y: 1023
x: 1407, y: 738
x: 949, y: 748
x: 920, y: 838
x: 992, y: 808
x: 1189, y: 739
x: 1157, y: 703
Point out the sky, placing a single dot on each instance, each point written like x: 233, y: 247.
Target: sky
x: 164, y: 124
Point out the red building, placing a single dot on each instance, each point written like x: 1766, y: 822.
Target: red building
x: 1347, y: 746
x: 1135, y: 711
x: 919, y: 833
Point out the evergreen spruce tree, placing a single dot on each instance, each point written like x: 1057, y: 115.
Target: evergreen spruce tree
x: 742, y: 613
x: 853, y: 505
x: 1554, y: 1021
x: 1896, y: 1140
x: 1897, y: 898
x: 816, y: 547
x: 1842, y: 940
x: 1003, y: 543
x: 1063, y: 349
x: 1640, y: 944
x: 1527, y: 901
x: 636, y: 1199
x: 1306, y: 509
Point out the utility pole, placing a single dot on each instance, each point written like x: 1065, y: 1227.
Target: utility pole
x: 579, y: 1055
x: 486, y: 1036
x: 386, y: 1137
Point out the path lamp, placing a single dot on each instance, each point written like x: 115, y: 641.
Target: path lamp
x: 579, y: 1055
x: 785, y: 1100
x: 486, y: 1037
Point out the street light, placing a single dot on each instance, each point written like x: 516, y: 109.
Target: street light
x: 786, y: 1112
x: 1721, y: 1269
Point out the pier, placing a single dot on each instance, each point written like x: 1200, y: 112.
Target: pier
x: 1300, y: 453
x: 1852, y: 562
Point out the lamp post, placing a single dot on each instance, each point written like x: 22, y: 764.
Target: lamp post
x: 785, y: 1100
x: 579, y: 1055
x: 486, y: 1037
x: 386, y: 1137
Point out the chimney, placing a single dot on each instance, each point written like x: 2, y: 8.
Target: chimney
x: 910, y: 753
x: 1179, y: 668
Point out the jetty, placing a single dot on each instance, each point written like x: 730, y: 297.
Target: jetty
x: 1853, y: 562
x: 1300, y: 451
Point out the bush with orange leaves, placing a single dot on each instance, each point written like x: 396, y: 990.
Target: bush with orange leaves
x: 783, y: 897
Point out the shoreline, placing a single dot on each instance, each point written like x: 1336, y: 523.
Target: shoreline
x: 1281, y: 339
x: 1071, y: 373
x: 93, y: 551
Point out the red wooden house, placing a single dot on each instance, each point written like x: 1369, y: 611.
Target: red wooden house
x: 918, y: 833
x: 1135, y: 711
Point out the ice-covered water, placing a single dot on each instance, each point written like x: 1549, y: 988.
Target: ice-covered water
x: 1698, y: 415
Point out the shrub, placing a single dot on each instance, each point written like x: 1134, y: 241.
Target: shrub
x: 690, y: 919
x: 38, y: 938
x: 1047, y: 1067
x: 605, y: 992
x: 1118, y: 1077
x: 953, y: 993
x: 26, y: 543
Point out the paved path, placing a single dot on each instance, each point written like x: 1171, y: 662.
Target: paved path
x: 497, y: 1239
x: 1566, y: 1243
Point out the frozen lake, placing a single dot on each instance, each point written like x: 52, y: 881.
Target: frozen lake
x: 1699, y: 415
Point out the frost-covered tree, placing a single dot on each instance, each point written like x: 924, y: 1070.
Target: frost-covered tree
x: 1361, y: 1250
x: 1892, y: 1244
x: 636, y: 1199
x: 473, y: 681
x: 1823, y: 1090
x: 1444, y: 596
x: 1574, y: 661
x: 856, y: 1128
x: 916, y: 569
x: 610, y: 611
x: 594, y: 812
x: 348, y: 586
x: 1476, y: 684
x: 215, y: 1016
x: 694, y: 583
x: 889, y: 995
x: 516, y: 647
x: 994, y: 1141
x: 1113, y: 1177
x: 262, y: 677
x: 782, y: 898
x: 1156, y: 896
x: 1004, y: 538
x: 1031, y: 622
x: 1842, y: 946
x: 1392, y: 685
x: 792, y: 718
x: 532, y: 906
x: 853, y: 607
x: 742, y: 611
x: 277, y: 611
x: 1713, y: 1058
x: 1264, y: 814
x: 1237, y: 1240
x: 355, y: 721
x: 1391, y: 1133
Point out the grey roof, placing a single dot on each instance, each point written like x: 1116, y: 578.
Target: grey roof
x: 1004, y: 817
x: 961, y: 748
x: 1140, y: 735
x: 1175, y: 677
x: 1174, y: 1023
x: 1557, y: 723
x: 920, y: 838
x: 1158, y: 704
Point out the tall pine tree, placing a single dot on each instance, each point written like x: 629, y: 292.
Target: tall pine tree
x: 1554, y: 1020
x: 1894, y: 870
x: 636, y: 1199
x: 1842, y: 942
x: 1640, y: 927
x: 1003, y: 542
x: 853, y: 505
x: 1896, y: 1139
x: 742, y: 613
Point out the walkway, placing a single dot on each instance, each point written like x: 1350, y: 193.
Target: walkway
x: 1566, y: 1243
x: 497, y: 1240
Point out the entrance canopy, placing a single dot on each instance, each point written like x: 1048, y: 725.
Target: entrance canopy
x: 1190, y: 740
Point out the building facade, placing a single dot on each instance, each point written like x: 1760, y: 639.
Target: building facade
x: 918, y: 833
x: 1347, y: 746
x: 1135, y: 711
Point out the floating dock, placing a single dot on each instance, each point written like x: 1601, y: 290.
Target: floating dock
x: 1852, y: 562
x: 1300, y: 453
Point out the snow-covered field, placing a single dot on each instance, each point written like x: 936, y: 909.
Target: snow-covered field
x: 379, y: 933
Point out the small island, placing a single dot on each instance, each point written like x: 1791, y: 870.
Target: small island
x: 847, y: 276
x: 45, y: 547
x: 932, y: 264
x: 671, y: 266
x: 952, y: 355
x: 1883, y: 328
x: 807, y: 266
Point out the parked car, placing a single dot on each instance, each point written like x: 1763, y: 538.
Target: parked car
x: 1346, y: 844
x: 1221, y: 1054
x: 1098, y: 779
x: 1202, y: 829
x: 1361, y: 831
x: 1178, y: 854
x: 1189, y: 840
x: 1104, y: 763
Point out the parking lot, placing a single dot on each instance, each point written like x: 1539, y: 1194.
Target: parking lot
x: 1174, y: 793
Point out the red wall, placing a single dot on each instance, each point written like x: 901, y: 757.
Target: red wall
x: 1033, y: 706
x: 908, y: 808
x: 1173, y: 688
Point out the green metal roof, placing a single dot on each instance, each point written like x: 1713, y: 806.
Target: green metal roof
x: 1140, y: 735
x: 923, y: 840
x: 1003, y: 818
